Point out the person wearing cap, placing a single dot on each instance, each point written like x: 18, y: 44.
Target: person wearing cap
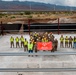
x: 12, y: 42
x: 66, y: 42
x: 17, y: 42
x: 25, y: 45
x: 61, y: 41
x: 22, y: 41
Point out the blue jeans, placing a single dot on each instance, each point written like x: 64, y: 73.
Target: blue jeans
x: 74, y: 45
x: 30, y: 51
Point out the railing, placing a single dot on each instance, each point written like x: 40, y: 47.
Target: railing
x: 39, y: 53
x: 40, y: 30
x: 37, y: 69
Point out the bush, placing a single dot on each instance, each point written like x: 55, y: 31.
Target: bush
x: 27, y: 13
x: 0, y: 16
x: 12, y: 16
x: 30, y: 16
x: 21, y: 13
x: 6, y: 16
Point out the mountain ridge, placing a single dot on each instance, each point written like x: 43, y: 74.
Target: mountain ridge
x: 30, y: 5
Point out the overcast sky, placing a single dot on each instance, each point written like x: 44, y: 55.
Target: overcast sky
x: 57, y: 2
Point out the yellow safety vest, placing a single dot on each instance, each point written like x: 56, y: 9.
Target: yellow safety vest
x: 35, y: 35
x: 44, y: 40
x: 22, y: 39
x: 25, y: 42
x: 74, y: 40
x: 17, y: 39
x: 30, y: 46
x: 66, y: 40
x: 11, y: 39
x: 61, y: 39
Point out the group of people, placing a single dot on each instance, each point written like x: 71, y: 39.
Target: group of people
x: 44, y: 37
x: 69, y: 42
x: 34, y: 38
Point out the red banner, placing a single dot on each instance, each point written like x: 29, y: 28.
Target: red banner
x: 44, y: 46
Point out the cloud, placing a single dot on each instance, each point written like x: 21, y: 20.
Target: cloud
x: 57, y: 2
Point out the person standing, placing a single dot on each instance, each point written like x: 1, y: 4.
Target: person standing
x: 74, y: 42
x: 66, y: 42
x: 30, y: 48
x: 25, y: 45
x: 61, y: 41
x: 70, y: 41
x: 56, y: 44
x: 17, y: 42
x: 12, y: 42
x: 22, y: 41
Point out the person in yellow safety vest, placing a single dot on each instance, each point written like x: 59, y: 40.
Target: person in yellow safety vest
x: 70, y: 42
x: 17, y: 42
x: 39, y: 39
x: 33, y: 42
x: 25, y: 45
x: 12, y: 42
x: 22, y: 41
x: 35, y: 34
x: 31, y: 37
x: 66, y: 42
x: 74, y: 42
x: 61, y: 41
x: 44, y: 40
x: 46, y: 34
x: 30, y: 48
